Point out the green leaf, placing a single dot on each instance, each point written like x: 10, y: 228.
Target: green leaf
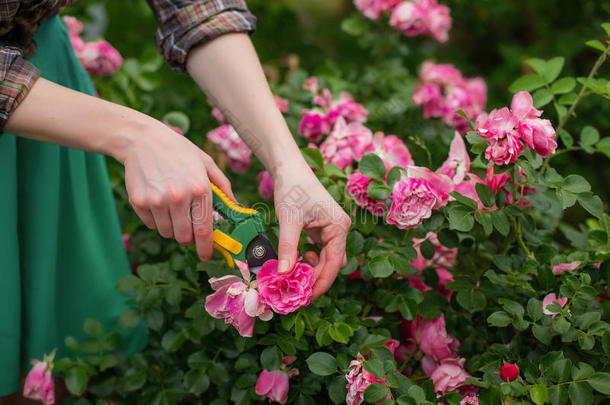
x: 375, y: 392
x: 448, y: 238
x: 499, y: 319
x: 94, y: 328
x: 196, y: 382
x: 575, y: 184
x: 322, y: 363
x: 484, y: 218
x: 172, y: 340
x: 379, y: 191
x: 526, y: 83
x: 542, y: 97
x: 595, y: 44
x: 271, y: 358
x: 604, y: 146
x: 539, y: 394
x: 375, y: 367
x: 129, y: 319
x: 127, y: 283
x: 591, y: 203
x: 512, y: 307
x: 580, y: 394
x: 417, y: 393
x: 173, y: 295
x: 313, y: 157
x: 178, y: 119
x: 380, y: 267
x: 606, y: 27
x: 600, y: 382
x: 500, y: 222
x: 472, y: 299
x: 563, y: 85
x: 354, y: 26
x: 460, y: 218
x: 394, y: 175
x: 337, y: 390
x: 485, y: 194
x: 589, y: 136
x: 427, y: 249
x: 542, y: 333
x: 553, y: 68
x: 534, y: 309
x: 463, y: 114
x: 76, y: 380
x: 372, y: 166
x: 462, y: 199
x: 558, y: 394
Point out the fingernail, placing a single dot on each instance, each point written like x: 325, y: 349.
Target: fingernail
x: 283, y: 266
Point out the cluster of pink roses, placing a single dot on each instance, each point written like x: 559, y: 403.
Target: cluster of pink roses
x: 506, y: 131
x: 443, y: 90
x: 326, y: 113
x: 228, y: 142
x: 240, y: 300
x: 358, y: 379
x: 99, y: 57
x: 440, y: 361
x: 411, y: 17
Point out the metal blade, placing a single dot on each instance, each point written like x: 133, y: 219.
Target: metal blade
x: 259, y: 250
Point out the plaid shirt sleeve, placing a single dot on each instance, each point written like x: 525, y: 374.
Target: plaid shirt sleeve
x: 18, y: 76
x: 185, y: 24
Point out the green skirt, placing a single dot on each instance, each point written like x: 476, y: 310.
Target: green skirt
x: 61, y: 253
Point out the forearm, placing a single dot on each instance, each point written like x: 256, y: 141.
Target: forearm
x: 56, y: 114
x: 228, y: 70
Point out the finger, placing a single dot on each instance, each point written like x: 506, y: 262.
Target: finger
x: 163, y: 221
x: 312, y: 258
x: 140, y: 206
x: 290, y: 233
x: 201, y: 211
x: 217, y: 177
x: 333, y: 255
x: 179, y: 211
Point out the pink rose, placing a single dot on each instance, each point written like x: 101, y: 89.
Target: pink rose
x: 228, y: 142
x: 358, y: 380
x: 434, y: 340
x: 374, y: 8
x: 218, y: 116
x: 39, y: 384
x: 265, y: 187
x: 282, y: 103
x: 347, y: 142
x: 428, y: 365
x: 457, y: 164
x: 548, y: 300
x: 285, y: 292
x: 100, y: 58
x: 236, y: 301
x: 314, y: 125
x: 273, y: 385
x: 311, y: 84
x: 539, y: 135
x: 415, y: 196
x: 522, y: 106
x: 392, y: 150
x: 357, y: 186
x: 504, y: 150
x: 126, y: 243
x: 449, y: 376
x: 496, y: 181
x: 74, y: 26
x: 441, y: 74
x: 347, y: 108
x: 438, y: 21
x: 560, y: 268
x: 430, y: 98
x: 409, y: 18
x: 470, y: 400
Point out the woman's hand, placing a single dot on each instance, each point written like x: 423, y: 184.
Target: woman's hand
x: 301, y: 202
x: 168, y: 182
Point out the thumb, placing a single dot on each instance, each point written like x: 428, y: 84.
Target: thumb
x: 290, y: 233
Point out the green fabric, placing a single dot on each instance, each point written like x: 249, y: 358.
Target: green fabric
x: 61, y: 252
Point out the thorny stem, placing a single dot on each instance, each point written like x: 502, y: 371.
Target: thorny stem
x: 581, y: 93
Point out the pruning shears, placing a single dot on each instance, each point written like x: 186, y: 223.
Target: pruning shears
x: 247, y: 240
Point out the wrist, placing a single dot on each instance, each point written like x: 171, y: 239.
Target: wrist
x: 130, y: 127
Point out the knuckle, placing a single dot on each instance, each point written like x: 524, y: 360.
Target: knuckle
x: 176, y: 196
x: 156, y: 200
x: 138, y: 202
x: 199, y: 189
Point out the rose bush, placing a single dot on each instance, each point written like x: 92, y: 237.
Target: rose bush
x: 463, y: 259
